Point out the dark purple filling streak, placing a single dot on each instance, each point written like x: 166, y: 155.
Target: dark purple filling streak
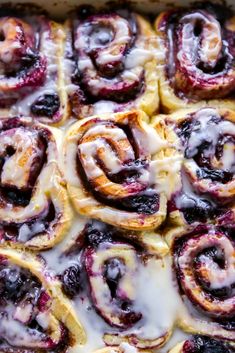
x: 10, y: 231
x: 171, y: 22
x: 203, y: 344
x: 145, y: 202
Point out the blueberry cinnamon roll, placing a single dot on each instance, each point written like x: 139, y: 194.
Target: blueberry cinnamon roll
x: 34, y: 207
x: 31, y: 75
x: 35, y: 316
x: 104, y: 274
x: 204, y: 269
x: 111, y: 167
x: 202, y: 344
x: 112, y: 65
x: 206, y: 192
x: 198, y: 57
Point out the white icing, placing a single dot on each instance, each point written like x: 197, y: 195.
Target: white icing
x: 207, y: 133
x: 127, y: 348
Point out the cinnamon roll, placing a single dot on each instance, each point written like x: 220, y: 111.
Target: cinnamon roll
x: 35, y: 316
x: 198, y: 57
x: 111, y: 61
x: 103, y: 272
x: 31, y: 75
x: 34, y: 207
x: 111, y: 166
x: 204, y: 268
x: 206, y: 192
x: 201, y: 344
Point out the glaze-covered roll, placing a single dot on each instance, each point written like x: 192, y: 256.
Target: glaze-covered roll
x: 204, y: 267
x: 198, y: 57
x: 31, y: 68
x: 35, y: 316
x: 114, y: 167
x: 205, y: 138
x: 104, y: 273
x: 34, y: 207
x: 110, y: 63
x: 201, y: 344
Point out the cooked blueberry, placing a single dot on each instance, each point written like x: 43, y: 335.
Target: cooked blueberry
x: 97, y: 232
x: 46, y: 105
x: 12, y: 281
x: 143, y: 203
x: 203, y: 344
x: 228, y: 324
x: 215, y: 175
x: 201, y: 210
x: 16, y: 196
x: 71, y: 279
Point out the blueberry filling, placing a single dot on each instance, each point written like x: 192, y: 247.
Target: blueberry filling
x: 98, y: 233
x: 18, y: 285
x: 201, y: 210
x: 71, y: 281
x: 46, y: 105
x: 218, y: 175
x: 203, y: 344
